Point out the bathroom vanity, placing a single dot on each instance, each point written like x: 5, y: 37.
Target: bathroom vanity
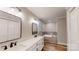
x: 50, y: 39
x: 11, y: 34
x: 34, y: 44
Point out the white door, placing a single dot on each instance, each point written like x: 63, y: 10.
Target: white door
x: 74, y: 29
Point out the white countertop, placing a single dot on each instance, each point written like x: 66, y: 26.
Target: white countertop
x: 25, y: 45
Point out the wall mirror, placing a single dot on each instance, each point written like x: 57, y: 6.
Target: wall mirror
x: 34, y: 28
x: 10, y: 27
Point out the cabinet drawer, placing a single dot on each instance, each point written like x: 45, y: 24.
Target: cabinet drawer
x: 33, y: 48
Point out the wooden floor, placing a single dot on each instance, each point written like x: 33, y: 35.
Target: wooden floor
x: 54, y: 47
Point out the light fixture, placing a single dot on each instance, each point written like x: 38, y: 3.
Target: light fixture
x: 17, y: 8
x: 34, y: 21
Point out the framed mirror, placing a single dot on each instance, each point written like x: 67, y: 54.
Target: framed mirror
x: 34, y: 28
x: 10, y: 27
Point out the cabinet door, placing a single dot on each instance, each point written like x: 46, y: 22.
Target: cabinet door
x: 3, y: 30
x: 40, y: 44
x: 32, y: 48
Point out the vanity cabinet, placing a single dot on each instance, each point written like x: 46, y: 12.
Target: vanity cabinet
x: 32, y: 48
x: 40, y: 44
x: 37, y: 46
x: 34, y: 44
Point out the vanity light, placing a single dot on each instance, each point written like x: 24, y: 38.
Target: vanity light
x: 34, y: 21
x: 12, y: 10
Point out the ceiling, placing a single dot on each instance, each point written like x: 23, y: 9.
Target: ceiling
x: 48, y: 14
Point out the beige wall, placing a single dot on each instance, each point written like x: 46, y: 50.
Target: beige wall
x: 50, y: 27
x: 27, y: 19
